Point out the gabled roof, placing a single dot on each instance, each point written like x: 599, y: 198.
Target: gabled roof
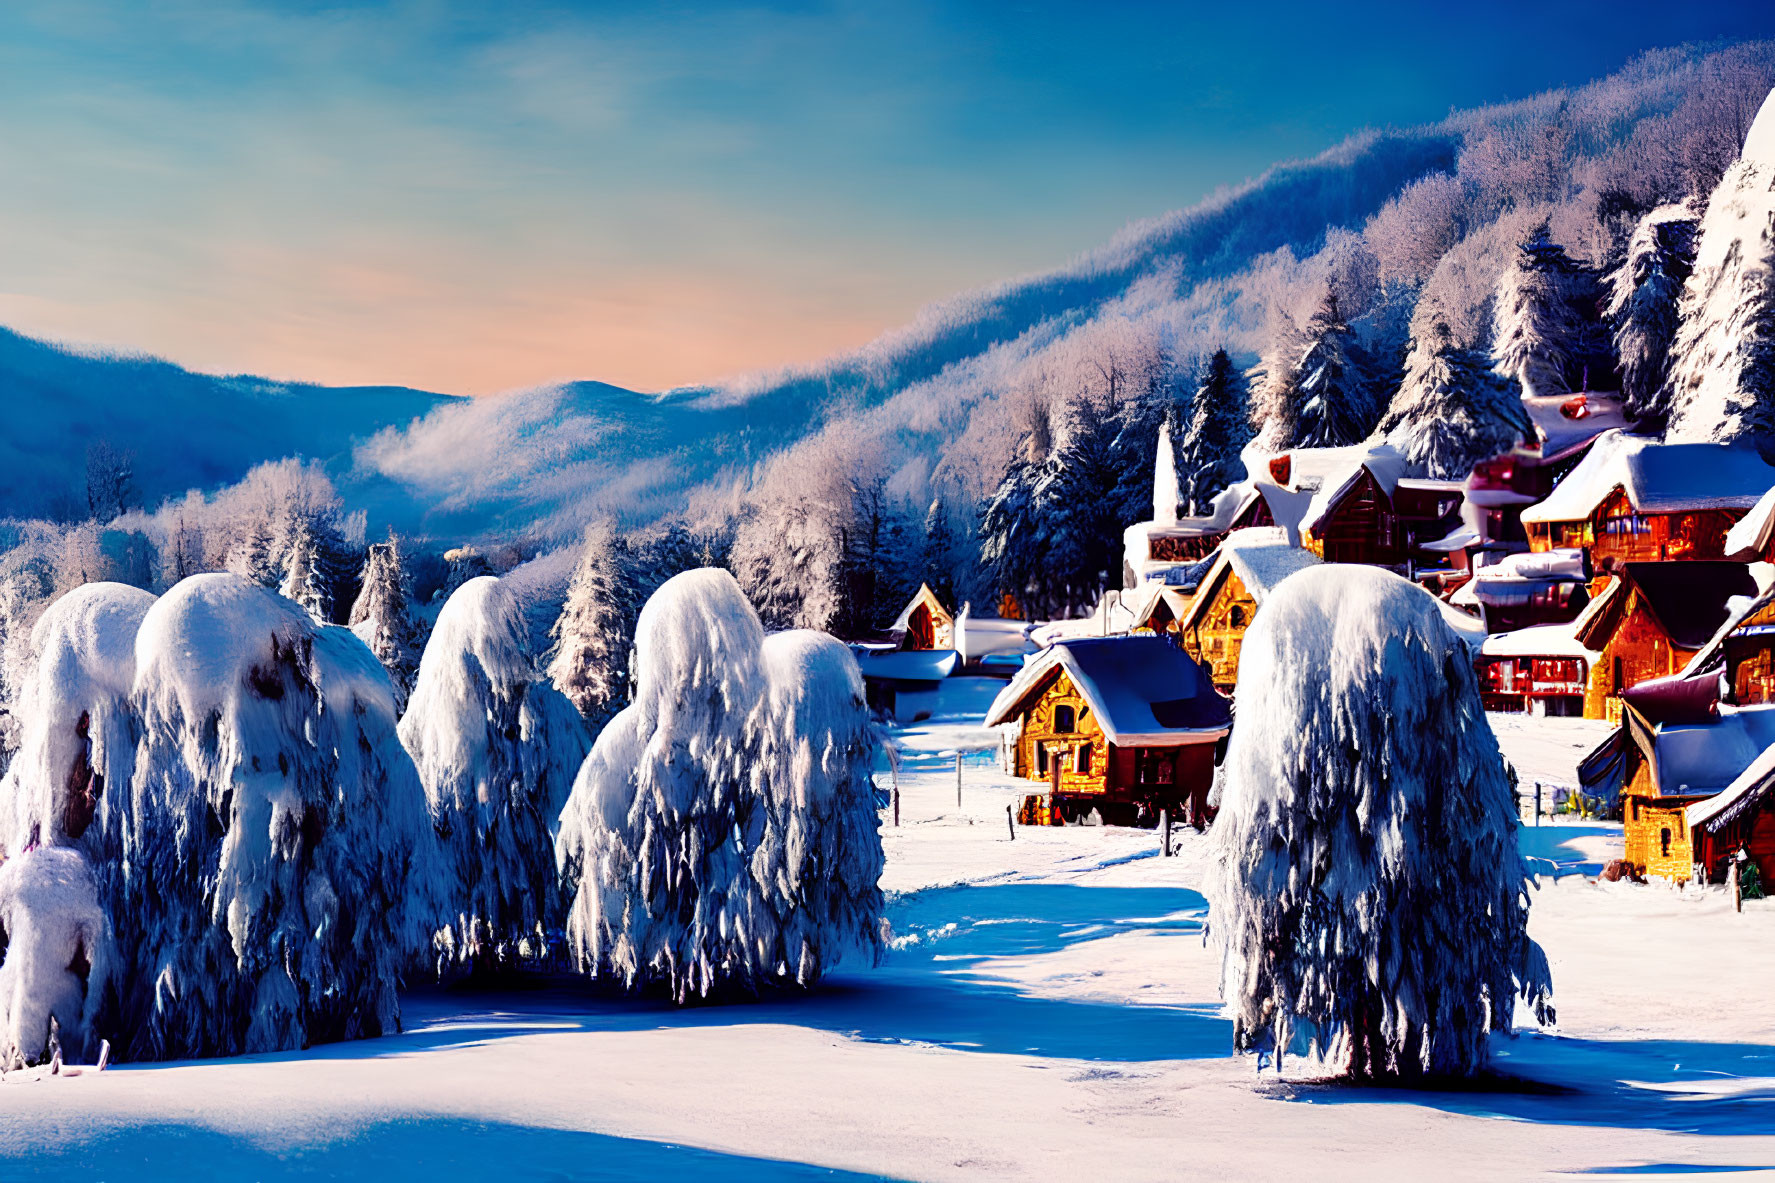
x: 925, y: 596
x: 1657, y: 478
x: 1702, y: 759
x: 908, y: 665
x: 1381, y: 461
x: 1261, y: 557
x: 1748, y: 539
x: 1689, y: 600
x: 1563, y: 423
x: 1143, y: 690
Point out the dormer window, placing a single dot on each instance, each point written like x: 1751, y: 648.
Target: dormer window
x: 1063, y: 720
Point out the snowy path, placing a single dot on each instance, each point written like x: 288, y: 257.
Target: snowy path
x: 1048, y: 1012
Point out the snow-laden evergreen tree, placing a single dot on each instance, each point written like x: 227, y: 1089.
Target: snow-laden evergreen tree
x: 55, y: 957
x: 382, y: 617
x: 1010, y: 529
x: 722, y: 837
x: 1453, y: 409
x: 880, y: 558
x: 1543, y: 329
x: 497, y: 747
x: 250, y: 557
x: 790, y: 555
x: 1644, y: 294
x: 590, y: 657
x: 1219, y: 427
x: 938, y: 557
x: 1722, y: 375
x: 305, y: 580
x: 277, y: 867
x: 1369, y: 900
x: 77, y: 724
x: 1314, y: 387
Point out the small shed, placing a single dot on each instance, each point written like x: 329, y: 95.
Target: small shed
x: 1650, y: 620
x: 925, y: 623
x: 902, y: 684
x: 1249, y: 564
x: 1124, y: 725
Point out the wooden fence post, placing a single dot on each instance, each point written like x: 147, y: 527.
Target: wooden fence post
x: 958, y: 780
x: 1537, y: 803
x: 1165, y: 828
x: 1011, y: 822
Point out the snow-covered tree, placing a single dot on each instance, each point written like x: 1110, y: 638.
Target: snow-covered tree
x: 279, y: 869
x: 1313, y: 388
x: 1452, y: 410
x: 722, y: 835
x: 497, y: 748
x: 790, y: 555
x: 1644, y: 294
x: 77, y: 725
x: 304, y: 581
x: 1543, y: 329
x: 55, y: 957
x: 382, y: 617
x: 938, y: 556
x: 1722, y: 375
x: 590, y: 659
x: 1218, y: 428
x: 1369, y: 901
x: 110, y: 481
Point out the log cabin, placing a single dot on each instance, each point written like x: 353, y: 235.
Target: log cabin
x: 1248, y: 566
x: 1125, y: 726
x: 1635, y: 500
x: 1564, y: 427
x: 1369, y: 513
x: 1649, y: 620
x: 925, y: 623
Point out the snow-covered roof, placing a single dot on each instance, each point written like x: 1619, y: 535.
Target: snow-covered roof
x: 1516, y: 578
x: 1564, y: 422
x: 1701, y: 759
x: 908, y: 665
x: 1738, y: 610
x: 1690, y: 600
x: 1748, y: 789
x: 1144, y: 600
x: 1382, y: 461
x: 1143, y: 689
x: 1749, y: 536
x: 1261, y: 557
x: 1657, y: 478
x: 1541, y: 640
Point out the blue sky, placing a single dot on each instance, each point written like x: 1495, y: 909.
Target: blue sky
x: 472, y: 197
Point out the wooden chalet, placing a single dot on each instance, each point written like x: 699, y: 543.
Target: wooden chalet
x: 1634, y: 500
x: 1693, y: 777
x: 1374, y: 516
x: 1649, y: 619
x: 925, y: 623
x: 1541, y: 670
x: 1248, y: 566
x: 1563, y: 428
x: 1124, y: 725
x: 1741, y: 655
x: 1151, y: 549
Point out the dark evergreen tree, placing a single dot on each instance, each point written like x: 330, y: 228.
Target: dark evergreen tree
x: 1645, y: 291
x: 1452, y: 409
x: 1547, y: 336
x: 1315, y: 386
x: 382, y: 617
x: 937, y: 558
x: 1217, y: 429
x: 591, y: 638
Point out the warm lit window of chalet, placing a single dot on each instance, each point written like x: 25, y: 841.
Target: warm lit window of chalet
x: 1084, y: 760
x: 1627, y: 524
x: 1568, y: 534
x: 1664, y: 842
x: 1063, y: 722
x: 1236, y: 617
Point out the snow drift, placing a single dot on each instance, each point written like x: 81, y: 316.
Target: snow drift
x: 1369, y: 899
x: 497, y: 748
x: 281, y: 868
x: 55, y: 955
x: 722, y: 836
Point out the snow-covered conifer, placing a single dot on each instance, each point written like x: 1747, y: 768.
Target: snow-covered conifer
x: 1452, y: 410
x: 55, y: 956
x: 1644, y: 293
x: 1313, y: 387
x: 281, y: 867
x: 722, y: 837
x: 304, y: 579
x: 789, y: 554
x: 1722, y: 374
x: 937, y: 558
x: 1218, y: 428
x: 590, y: 661
x: 497, y: 747
x: 382, y: 617
x: 1369, y: 900
x: 1541, y: 328
x: 69, y: 784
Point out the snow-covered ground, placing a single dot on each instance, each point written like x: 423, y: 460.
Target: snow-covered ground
x: 1048, y: 1011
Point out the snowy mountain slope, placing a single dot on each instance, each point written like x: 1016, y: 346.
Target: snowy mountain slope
x: 184, y: 429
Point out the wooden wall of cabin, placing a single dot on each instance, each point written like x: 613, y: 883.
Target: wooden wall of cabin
x: 1639, y: 650
x: 1620, y: 533
x: 1083, y: 738
x: 1750, y: 658
x: 1657, y: 836
x: 1217, y: 632
x: 1756, y: 834
x: 1360, y: 528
